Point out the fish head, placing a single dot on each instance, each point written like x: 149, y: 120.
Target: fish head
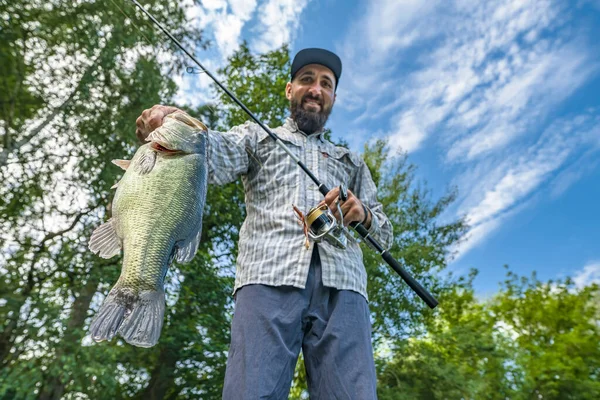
x: 179, y: 134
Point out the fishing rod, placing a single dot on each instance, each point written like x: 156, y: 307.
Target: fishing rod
x: 357, y: 226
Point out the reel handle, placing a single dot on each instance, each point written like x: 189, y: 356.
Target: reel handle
x: 392, y: 262
x: 422, y: 292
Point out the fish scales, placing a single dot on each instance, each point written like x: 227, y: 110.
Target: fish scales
x: 158, y: 209
x: 157, y: 216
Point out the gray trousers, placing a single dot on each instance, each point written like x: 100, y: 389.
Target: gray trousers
x: 271, y: 324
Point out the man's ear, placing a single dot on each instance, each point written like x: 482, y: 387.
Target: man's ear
x: 288, y: 90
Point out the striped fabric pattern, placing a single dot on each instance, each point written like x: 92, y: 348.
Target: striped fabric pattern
x: 271, y: 243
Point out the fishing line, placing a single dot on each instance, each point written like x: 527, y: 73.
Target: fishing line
x: 188, y: 69
x: 357, y: 226
x: 133, y: 23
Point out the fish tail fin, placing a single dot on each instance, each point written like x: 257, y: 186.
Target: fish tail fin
x: 111, y: 314
x: 143, y: 326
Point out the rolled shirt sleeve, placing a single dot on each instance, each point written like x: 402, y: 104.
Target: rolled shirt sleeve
x: 271, y: 246
x: 365, y: 189
x: 228, y: 152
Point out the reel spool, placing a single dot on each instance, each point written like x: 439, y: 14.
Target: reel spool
x: 322, y: 225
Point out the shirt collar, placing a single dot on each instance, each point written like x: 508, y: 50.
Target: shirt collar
x: 291, y: 125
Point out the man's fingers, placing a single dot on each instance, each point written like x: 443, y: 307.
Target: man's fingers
x: 157, y: 114
x: 332, y: 195
x: 140, y: 130
x: 140, y: 135
x: 155, y: 120
x: 351, y: 209
x: 170, y: 110
x: 151, y: 119
x: 334, y: 209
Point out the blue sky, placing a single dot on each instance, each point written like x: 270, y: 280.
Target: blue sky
x: 500, y: 99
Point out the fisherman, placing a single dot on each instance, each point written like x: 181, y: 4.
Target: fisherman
x: 288, y: 297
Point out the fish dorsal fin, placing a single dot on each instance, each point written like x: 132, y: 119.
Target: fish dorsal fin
x: 146, y: 162
x: 124, y: 164
x: 104, y: 240
x: 188, y: 249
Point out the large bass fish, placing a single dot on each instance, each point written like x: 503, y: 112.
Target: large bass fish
x: 156, y: 218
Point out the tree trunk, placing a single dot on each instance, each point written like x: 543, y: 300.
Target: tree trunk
x: 163, y: 375
x: 14, y: 145
x: 54, y: 385
x: 9, y: 332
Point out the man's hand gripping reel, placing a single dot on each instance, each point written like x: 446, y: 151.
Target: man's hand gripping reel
x: 322, y: 225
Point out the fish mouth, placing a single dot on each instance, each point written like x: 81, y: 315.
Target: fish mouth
x: 160, y: 147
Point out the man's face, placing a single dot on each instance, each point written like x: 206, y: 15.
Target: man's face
x: 311, y: 95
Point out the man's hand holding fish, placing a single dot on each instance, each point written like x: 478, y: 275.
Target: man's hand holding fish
x: 288, y: 295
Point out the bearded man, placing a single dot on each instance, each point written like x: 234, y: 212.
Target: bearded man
x: 288, y: 297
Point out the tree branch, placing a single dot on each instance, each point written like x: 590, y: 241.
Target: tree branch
x: 15, y: 146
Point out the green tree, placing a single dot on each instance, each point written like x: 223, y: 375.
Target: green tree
x: 531, y: 340
x: 76, y: 77
x: 555, y: 331
x: 459, y: 357
x: 422, y: 244
x: 258, y: 81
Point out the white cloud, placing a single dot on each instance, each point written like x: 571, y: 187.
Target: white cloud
x: 479, y: 80
x: 270, y: 23
x: 228, y: 29
x: 224, y: 22
x: 588, y: 275
x: 578, y: 169
x: 493, y: 192
x: 277, y: 22
x: 409, y: 134
x: 510, y: 110
x: 372, y: 48
x: 392, y: 25
x: 475, y: 236
x: 486, y: 71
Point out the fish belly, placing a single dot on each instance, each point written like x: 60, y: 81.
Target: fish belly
x: 153, y: 213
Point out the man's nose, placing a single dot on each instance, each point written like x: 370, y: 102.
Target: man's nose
x: 315, y: 89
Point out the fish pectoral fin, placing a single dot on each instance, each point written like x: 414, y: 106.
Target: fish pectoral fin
x: 124, y: 164
x: 104, y: 240
x: 116, y: 185
x: 187, y: 250
x: 146, y: 162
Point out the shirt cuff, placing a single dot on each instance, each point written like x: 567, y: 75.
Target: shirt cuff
x: 374, y: 228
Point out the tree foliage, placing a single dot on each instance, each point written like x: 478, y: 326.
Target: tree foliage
x: 531, y: 340
x: 75, y: 76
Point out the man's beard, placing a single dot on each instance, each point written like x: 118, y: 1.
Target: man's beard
x: 309, y: 122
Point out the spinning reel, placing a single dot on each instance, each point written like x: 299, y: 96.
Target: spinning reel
x: 322, y: 225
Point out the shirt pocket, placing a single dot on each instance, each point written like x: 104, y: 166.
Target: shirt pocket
x: 275, y: 173
x: 341, y: 167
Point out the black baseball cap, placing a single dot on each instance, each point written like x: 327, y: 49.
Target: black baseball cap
x: 317, y: 56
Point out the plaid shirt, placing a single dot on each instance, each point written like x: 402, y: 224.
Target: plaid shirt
x: 271, y: 242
